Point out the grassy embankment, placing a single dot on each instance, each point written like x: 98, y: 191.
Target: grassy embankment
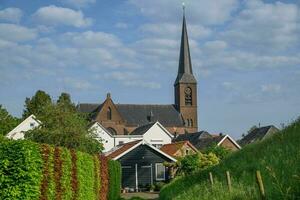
x: 278, y: 159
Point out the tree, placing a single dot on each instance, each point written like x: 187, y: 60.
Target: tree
x: 65, y: 100
x: 7, y: 121
x: 36, y: 103
x: 199, y: 161
x: 219, y: 151
x: 64, y: 127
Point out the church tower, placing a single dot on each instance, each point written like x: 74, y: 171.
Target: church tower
x: 186, y: 85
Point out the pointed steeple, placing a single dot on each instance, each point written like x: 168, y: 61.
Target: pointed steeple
x: 185, y: 71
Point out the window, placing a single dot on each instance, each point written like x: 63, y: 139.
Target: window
x: 109, y: 114
x: 121, y: 142
x: 158, y: 145
x: 187, y: 152
x: 188, y: 96
x: 160, y: 171
x: 32, y: 124
x: 191, y: 123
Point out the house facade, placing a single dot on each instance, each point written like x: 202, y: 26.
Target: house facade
x: 178, y: 118
x: 18, y: 132
x: 142, y: 164
x: 153, y: 133
x: 179, y: 149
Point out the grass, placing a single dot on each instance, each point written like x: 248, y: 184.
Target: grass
x: 278, y: 159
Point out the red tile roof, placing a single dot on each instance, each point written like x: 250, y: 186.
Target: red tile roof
x: 121, y: 149
x: 172, y: 148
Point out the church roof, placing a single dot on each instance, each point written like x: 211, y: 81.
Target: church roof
x: 185, y: 71
x: 137, y: 115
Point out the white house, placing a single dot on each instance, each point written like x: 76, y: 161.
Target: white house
x: 152, y: 133
x: 28, y: 124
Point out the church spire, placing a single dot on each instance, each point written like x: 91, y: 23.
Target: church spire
x: 185, y: 71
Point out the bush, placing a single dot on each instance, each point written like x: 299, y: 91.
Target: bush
x: 199, y: 161
x: 114, y: 180
x: 20, y: 170
x: 32, y: 171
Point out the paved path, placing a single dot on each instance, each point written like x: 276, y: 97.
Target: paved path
x: 144, y: 195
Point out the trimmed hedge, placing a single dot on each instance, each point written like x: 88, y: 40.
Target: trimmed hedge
x: 114, y: 180
x: 32, y: 171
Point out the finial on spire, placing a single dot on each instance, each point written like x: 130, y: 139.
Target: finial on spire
x: 183, y: 7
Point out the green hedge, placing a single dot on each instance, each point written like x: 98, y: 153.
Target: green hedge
x: 114, y: 180
x: 33, y: 171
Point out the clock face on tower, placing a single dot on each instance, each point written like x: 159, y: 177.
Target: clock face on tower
x: 188, y: 90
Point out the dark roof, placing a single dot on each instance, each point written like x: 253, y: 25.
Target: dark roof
x: 134, y: 114
x: 185, y: 71
x: 87, y: 107
x: 141, y: 130
x: 204, y: 143
x: 194, y: 138
x: 137, y: 115
x: 256, y: 135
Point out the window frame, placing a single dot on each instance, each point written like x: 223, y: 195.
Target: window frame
x: 160, y: 179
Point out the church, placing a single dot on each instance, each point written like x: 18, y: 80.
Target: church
x: 178, y: 118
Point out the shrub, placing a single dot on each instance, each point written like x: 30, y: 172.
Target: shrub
x: 20, y: 170
x: 32, y: 171
x: 199, y: 161
x: 114, y: 180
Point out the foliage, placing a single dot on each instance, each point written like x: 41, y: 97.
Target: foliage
x: 66, y: 128
x: 35, y: 105
x: 20, y: 170
x: 219, y: 151
x: 85, y: 172
x: 7, y: 121
x: 115, y: 180
x: 278, y: 159
x: 199, y: 161
x: 158, y: 186
x: 64, y: 100
x: 32, y: 171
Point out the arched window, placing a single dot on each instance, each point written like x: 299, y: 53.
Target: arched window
x: 109, y: 114
x: 112, y: 130
x: 188, y: 96
x: 191, y: 123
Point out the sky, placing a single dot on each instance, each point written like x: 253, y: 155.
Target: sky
x: 245, y: 55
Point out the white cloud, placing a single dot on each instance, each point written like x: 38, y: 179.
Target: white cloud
x: 271, y: 88
x: 214, y: 46
x: 11, y: 14
x: 53, y: 15
x: 132, y: 79
x: 78, y: 3
x: 92, y: 39
x: 76, y: 83
x: 265, y: 27
x: 121, y: 25
x: 198, y: 11
x: 169, y: 30
x: 16, y: 33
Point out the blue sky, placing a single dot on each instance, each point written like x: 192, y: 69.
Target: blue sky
x: 245, y: 54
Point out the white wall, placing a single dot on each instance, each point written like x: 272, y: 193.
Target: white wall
x: 106, y: 139
x: 157, y: 135
x: 28, y: 124
x: 126, y: 138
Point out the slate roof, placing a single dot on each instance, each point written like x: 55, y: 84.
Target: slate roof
x: 141, y: 130
x: 256, y: 135
x: 172, y: 148
x: 137, y: 115
x: 200, y: 140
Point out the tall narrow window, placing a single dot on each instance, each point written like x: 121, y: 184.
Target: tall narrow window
x: 188, y: 96
x: 191, y: 123
x: 160, y: 172
x: 109, y: 114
